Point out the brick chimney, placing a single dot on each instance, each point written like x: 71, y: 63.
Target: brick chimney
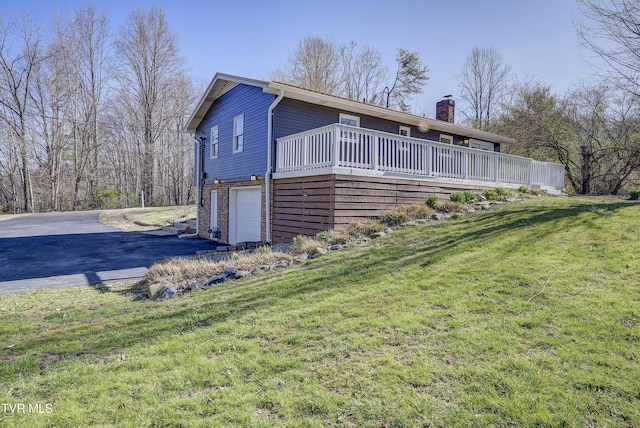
x: 445, y: 109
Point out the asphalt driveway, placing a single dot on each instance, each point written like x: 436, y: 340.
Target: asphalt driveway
x: 55, y: 250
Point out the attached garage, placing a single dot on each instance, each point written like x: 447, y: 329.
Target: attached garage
x: 245, y: 214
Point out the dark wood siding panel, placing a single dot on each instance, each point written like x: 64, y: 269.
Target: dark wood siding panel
x: 254, y: 105
x: 308, y: 205
x: 363, y: 198
x: 301, y: 206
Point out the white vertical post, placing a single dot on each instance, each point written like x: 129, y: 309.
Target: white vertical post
x: 336, y: 148
x: 305, y: 142
x: 429, y: 158
x: 376, y: 143
x: 465, y: 165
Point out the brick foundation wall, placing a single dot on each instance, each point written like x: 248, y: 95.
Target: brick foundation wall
x: 204, y: 218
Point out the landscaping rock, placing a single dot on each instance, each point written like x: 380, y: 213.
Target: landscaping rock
x: 320, y: 250
x: 218, y: 279
x: 282, y: 265
x: 243, y: 274
x: 378, y: 235
x: 198, y: 284
x: 154, y: 290
x: 485, y: 206
x: 438, y: 216
x: 169, y: 292
x: 258, y: 271
x: 301, y: 257
x: 231, y: 273
x: 421, y: 220
x: 335, y: 247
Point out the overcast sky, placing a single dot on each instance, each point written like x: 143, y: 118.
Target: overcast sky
x: 537, y: 39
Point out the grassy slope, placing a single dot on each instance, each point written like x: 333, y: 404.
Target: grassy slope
x: 145, y: 219
x: 525, y: 316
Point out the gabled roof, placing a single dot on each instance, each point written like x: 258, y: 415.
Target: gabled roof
x: 222, y: 83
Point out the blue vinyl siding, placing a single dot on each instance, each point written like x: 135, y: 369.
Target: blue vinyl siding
x: 253, y: 103
x: 293, y: 116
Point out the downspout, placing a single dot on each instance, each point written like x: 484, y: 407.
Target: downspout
x: 198, y: 180
x: 267, y: 174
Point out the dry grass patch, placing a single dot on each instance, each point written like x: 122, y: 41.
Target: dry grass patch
x: 146, y: 219
x: 175, y: 271
x: 405, y: 213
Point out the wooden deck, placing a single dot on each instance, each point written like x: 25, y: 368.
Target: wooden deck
x: 341, y: 149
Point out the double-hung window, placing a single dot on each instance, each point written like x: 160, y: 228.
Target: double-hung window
x: 213, y: 146
x: 238, y: 134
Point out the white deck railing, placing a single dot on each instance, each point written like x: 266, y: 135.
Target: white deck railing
x: 379, y: 151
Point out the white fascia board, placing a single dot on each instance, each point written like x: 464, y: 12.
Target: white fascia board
x: 348, y: 105
x: 215, y: 89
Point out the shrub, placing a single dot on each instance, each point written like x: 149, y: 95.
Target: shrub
x: 394, y: 217
x: 416, y: 211
x: 339, y: 237
x: 364, y: 228
x: 492, y: 195
x: 405, y: 213
x: 323, y: 236
x: 304, y: 244
x: 450, y: 207
x: 463, y: 197
x: 457, y: 197
x: 469, y: 196
x: 299, y: 240
x: 500, y: 191
x: 523, y: 189
x: 432, y: 201
x: 634, y: 194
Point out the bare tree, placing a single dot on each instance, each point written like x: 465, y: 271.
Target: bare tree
x: 148, y: 62
x: 363, y: 74
x: 82, y: 57
x: 314, y: 64
x: 592, y: 131
x: 16, y: 72
x: 353, y: 72
x: 611, y: 29
x: 482, y: 83
x: 50, y: 97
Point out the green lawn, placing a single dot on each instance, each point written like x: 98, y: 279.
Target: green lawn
x: 528, y: 315
x: 145, y: 219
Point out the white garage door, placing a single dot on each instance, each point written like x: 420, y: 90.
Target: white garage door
x: 245, y: 214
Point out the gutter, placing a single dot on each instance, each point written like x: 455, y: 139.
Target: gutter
x: 198, y: 175
x: 268, y: 172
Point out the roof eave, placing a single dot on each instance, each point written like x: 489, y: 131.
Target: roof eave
x: 215, y: 89
x: 333, y: 101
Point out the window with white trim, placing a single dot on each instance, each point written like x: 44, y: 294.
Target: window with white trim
x: 446, y: 139
x: 238, y: 134
x: 348, y: 119
x: 213, y: 143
